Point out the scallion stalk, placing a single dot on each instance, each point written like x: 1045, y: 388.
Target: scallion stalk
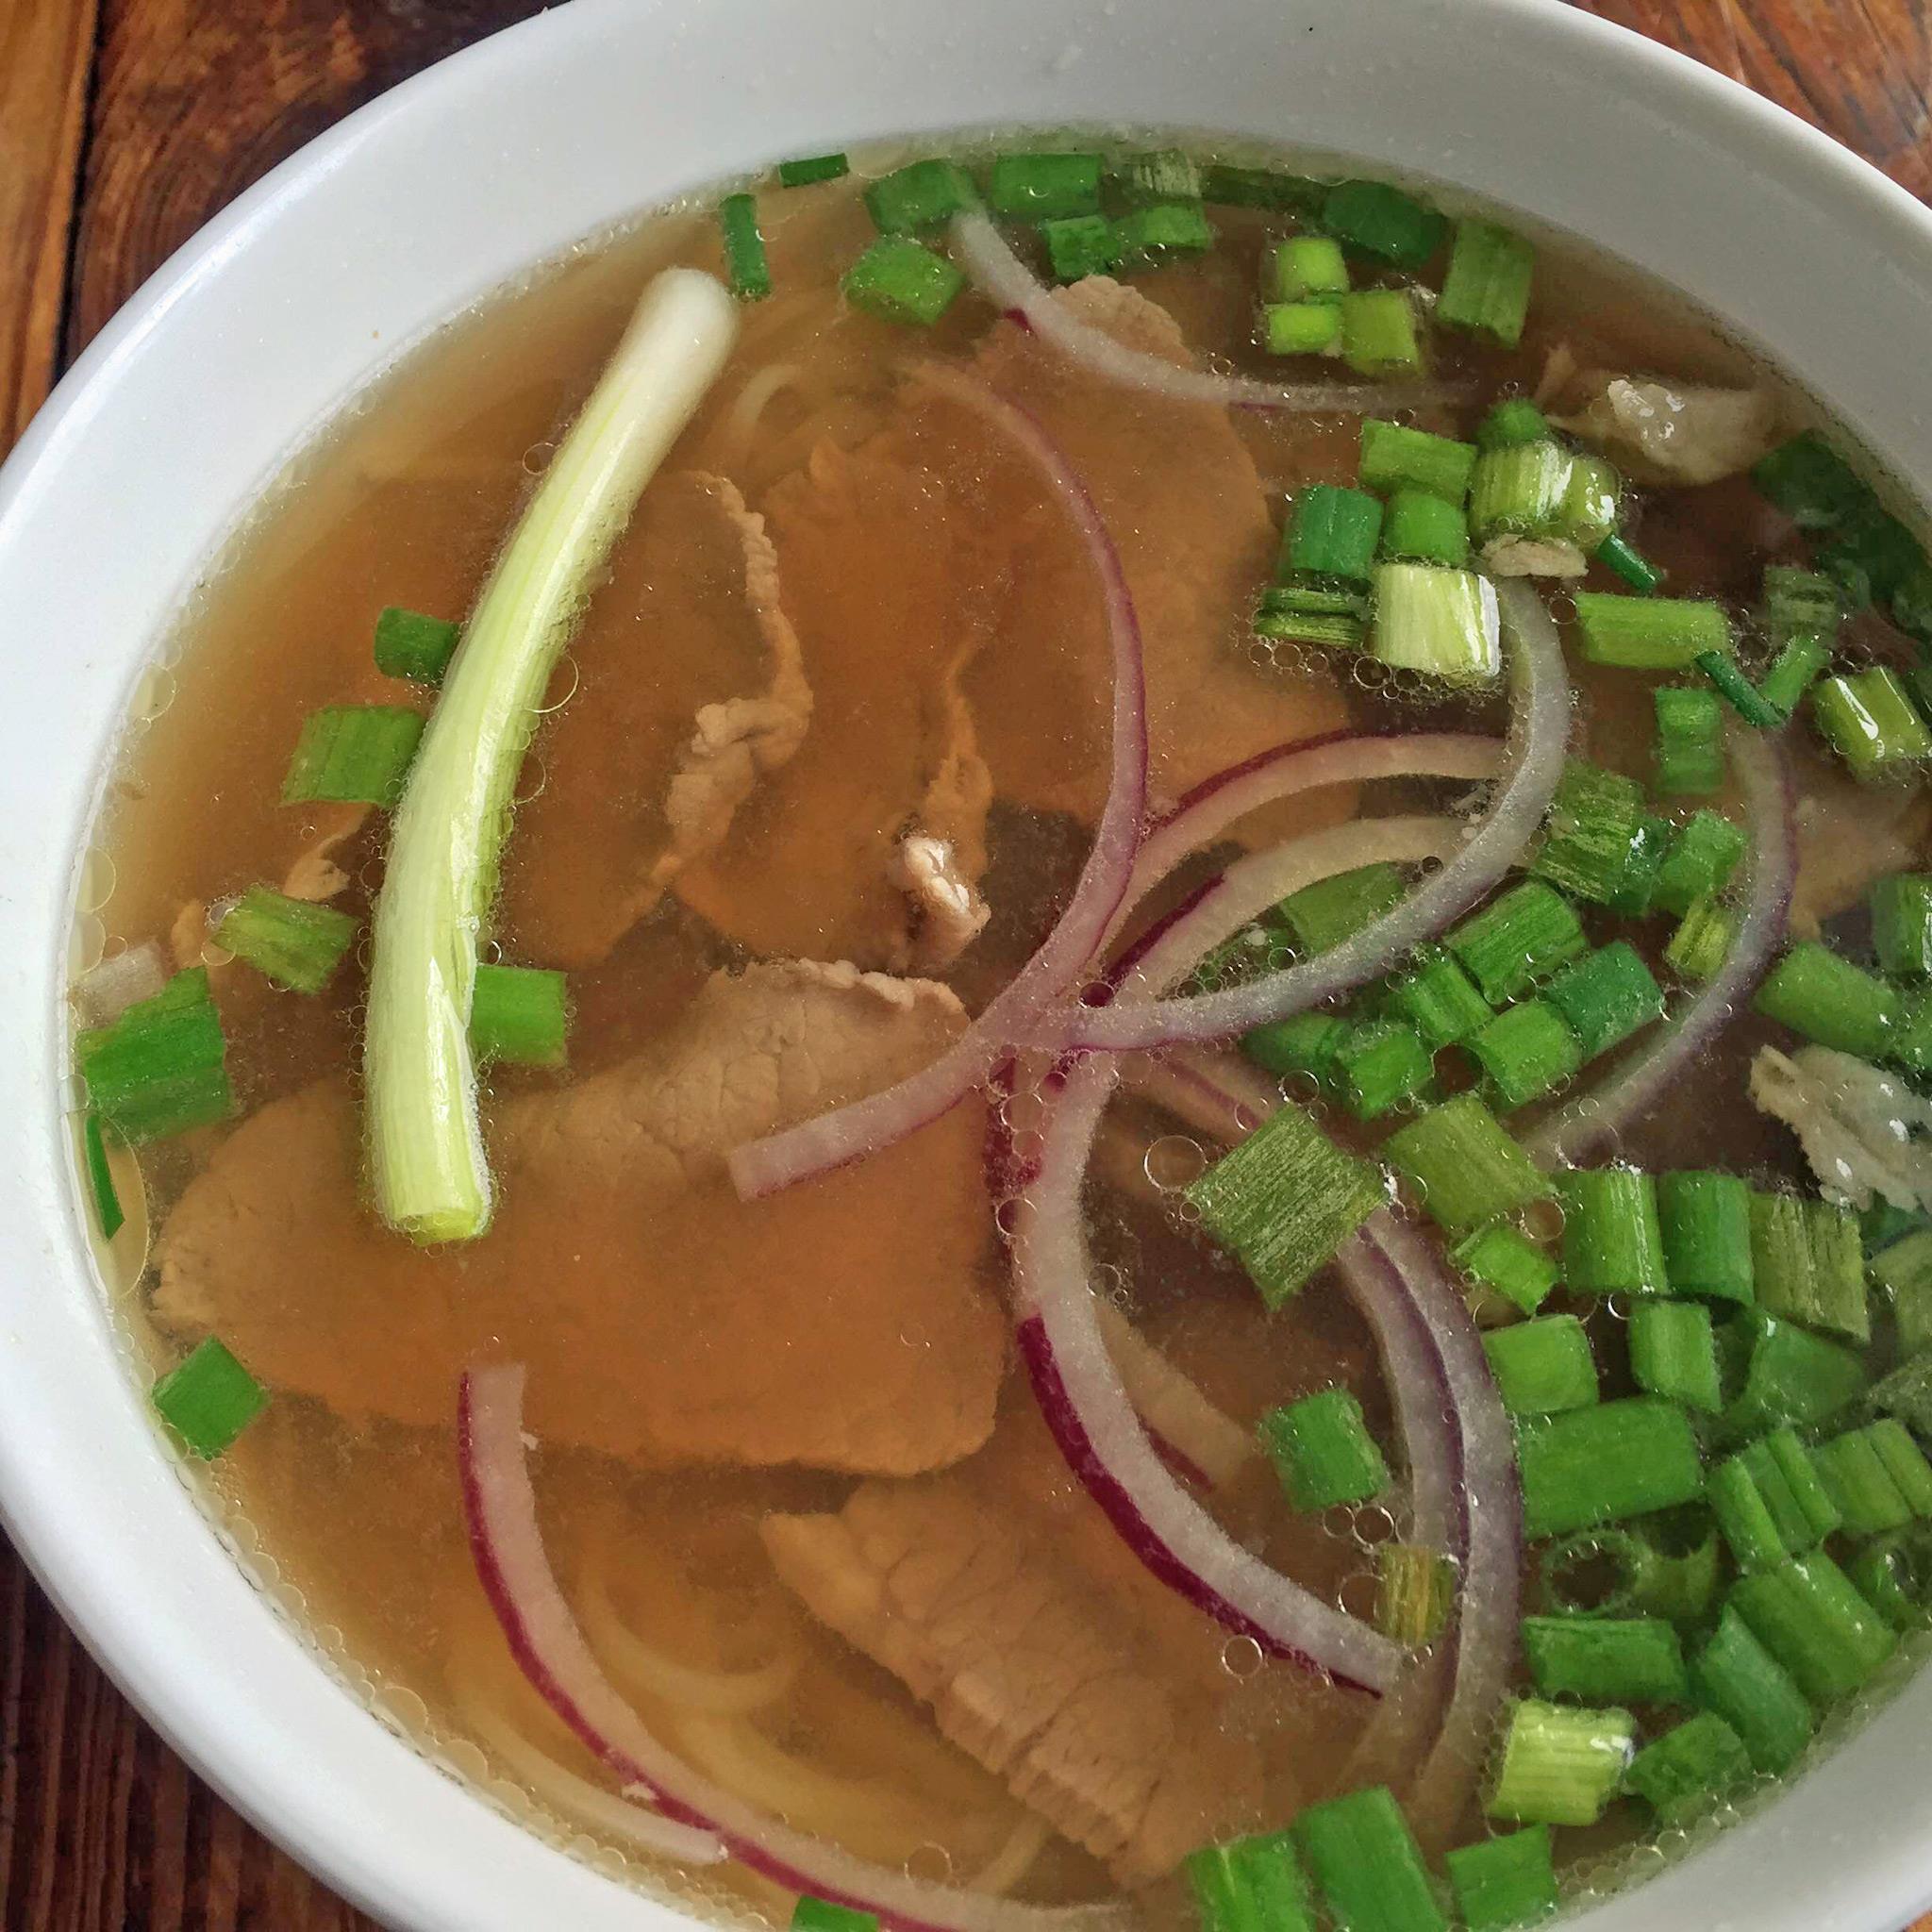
x: 1543, y: 1366
x: 1322, y: 1450
x: 1649, y: 633
x: 1605, y: 1659
x: 1466, y: 1168
x: 1504, y: 1883
x: 1736, y: 1678
x: 1367, y: 1865
x: 209, y: 1399
x: 1601, y: 1464
x: 1442, y: 623
x: 295, y: 943
x: 1558, y: 1765
x: 1690, y: 1769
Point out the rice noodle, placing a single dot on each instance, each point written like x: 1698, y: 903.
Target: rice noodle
x: 643, y: 1666
x: 1030, y: 1836
x: 1005, y: 280
x: 508, y: 1545
x: 108, y: 989
x: 1539, y: 733
x: 1174, y: 1411
x: 831, y: 1139
x: 1589, y: 1124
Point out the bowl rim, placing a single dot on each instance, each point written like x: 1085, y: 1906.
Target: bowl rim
x: 447, y: 1861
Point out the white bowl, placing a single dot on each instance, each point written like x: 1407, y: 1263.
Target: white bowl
x: 436, y: 193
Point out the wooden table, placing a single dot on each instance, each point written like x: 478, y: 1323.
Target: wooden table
x: 123, y: 126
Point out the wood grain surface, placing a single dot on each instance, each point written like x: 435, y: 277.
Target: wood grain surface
x: 123, y: 126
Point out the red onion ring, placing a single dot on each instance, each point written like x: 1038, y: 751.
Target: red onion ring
x: 831, y: 1139
x: 701, y: 1821
x: 1589, y: 1125
x: 1086, y: 1407
x: 1539, y: 734
x: 1006, y: 281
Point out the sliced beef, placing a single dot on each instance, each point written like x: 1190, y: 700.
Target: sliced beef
x: 1186, y: 507
x: 873, y: 551
x: 845, y: 1322
x: 682, y: 706
x: 999, y: 1597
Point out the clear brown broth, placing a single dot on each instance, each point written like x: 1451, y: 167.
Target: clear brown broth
x: 356, y: 1521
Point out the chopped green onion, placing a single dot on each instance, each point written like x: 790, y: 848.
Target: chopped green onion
x: 1380, y: 1064
x: 1307, y: 1043
x: 1689, y: 749
x: 160, y: 1068
x: 1378, y: 332
x: 1044, y: 187
x: 1860, y: 1485
x: 1790, y: 1376
x: 1543, y: 1367
x: 1501, y: 1883
x: 1558, y: 1765
x: 1911, y: 1037
x: 1606, y: 996
x: 1815, y: 992
x: 1367, y: 1866
x: 353, y: 755
x: 1809, y: 481
x: 1771, y: 1501
x: 1602, y: 1573
x: 1442, y: 622
x: 1596, y: 1465
x: 1679, y: 1584
x: 1251, y: 1884
x: 1335, y: 619
x: 1605, y: 1659
x: 1080, y: 245
x: 1699, y: 861
x: 1162, y: 175
x: 1527, y: 1051
x: 1306, y: 267
x: 1150, y: 236
x: 899, y: 279
x: 1870, y: 721
x: 923, y: 194
x: 1704, y: 1220
x: 1487, y: 286
x: 209, y: 1399
x: 1331, y: 533
x: 1869, y: 555
x: 820, y: 1915
x: 1512, y: 421
x: 811, y: 168
x: 1649, y: 633
x: 427, y: 1161
x: 1690, y: 1769
x: 1300, y: 329
x: 1322, y: 1450
x: 1904, y: 1272
x: 1517, y: 491
x: 1620, y: 560
x: 1808, y: 1264
x: 1703, y: 940
x: 1415, y: 1591
x: 1808, y: 1616
x: 1883, y: 1223
x: 1518, y: 938
x: 1911, y: 607
x: 1902, y: 924
x: 408, y: 645
x: 1800, y: 603
x: 1907, y: 1393
x: 1374, y: 219
x: 1739, y: 691
x: 1888, y: 1573
x: 1598, y: 846
x: 1422, y: 528
x: 521, y: 1014
x: 1738, y: 1678
x: 1268, y: 188
x: 1611, y: 1241
x: 1589, y: 510
x: 292, y: 942
x: 1465, y: 1167
x: 1285, y: 1199
x: 108, y: 1216
x: 1336, y: 908
x: 1674, y: 1352
x: 1508, y: 1264
x: 745, y: 265
x: 1397, y: 457
x: 1439, y: 999
x: 1797, y: 667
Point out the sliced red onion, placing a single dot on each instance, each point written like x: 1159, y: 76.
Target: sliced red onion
x: 1005, y: 280
x: 701, y: 1822
x: 815, y: 1146
x: 1336, y: 758
x: 1086, y: 1407
x: 1589, y: 1125
x: 1539, y: 733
